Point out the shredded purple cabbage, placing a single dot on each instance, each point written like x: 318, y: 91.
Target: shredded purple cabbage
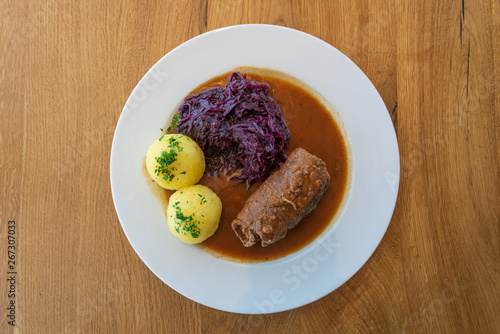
x: 239, y: 128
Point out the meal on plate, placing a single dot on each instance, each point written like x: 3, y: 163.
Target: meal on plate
x: 258, y: 164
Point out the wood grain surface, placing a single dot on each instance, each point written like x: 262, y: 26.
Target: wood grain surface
x: 66, y: 71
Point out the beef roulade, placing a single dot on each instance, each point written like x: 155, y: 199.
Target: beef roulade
x: 287, y: 196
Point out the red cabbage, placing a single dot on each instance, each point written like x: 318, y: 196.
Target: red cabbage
x: 239, y: 128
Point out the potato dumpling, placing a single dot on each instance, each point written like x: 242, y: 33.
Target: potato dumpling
x: 193, y: 213
x: 175, y: 161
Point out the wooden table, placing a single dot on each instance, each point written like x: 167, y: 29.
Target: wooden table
x: 66, y: 70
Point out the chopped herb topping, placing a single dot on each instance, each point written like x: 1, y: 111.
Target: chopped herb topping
x: 185, y: 224
x: 176, y: 119
x: 174, y: 144
x: 167, y: 158
x: 203, y: 200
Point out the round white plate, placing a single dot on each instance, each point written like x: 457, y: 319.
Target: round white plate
x: 304, y: 276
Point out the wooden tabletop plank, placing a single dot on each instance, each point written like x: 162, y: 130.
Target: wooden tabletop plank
x: 65, y: 74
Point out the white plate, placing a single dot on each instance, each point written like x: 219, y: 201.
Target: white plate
x: 302, y: 277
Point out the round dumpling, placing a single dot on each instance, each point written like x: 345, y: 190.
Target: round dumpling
x: 175, y: 161
x: 193, y: 213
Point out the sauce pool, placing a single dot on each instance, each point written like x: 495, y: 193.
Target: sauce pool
x: 313, y: 128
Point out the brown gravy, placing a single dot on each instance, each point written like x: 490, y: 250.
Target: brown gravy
x: 313, y: 128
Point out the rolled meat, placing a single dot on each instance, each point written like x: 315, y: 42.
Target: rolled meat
x: 287, y: 196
